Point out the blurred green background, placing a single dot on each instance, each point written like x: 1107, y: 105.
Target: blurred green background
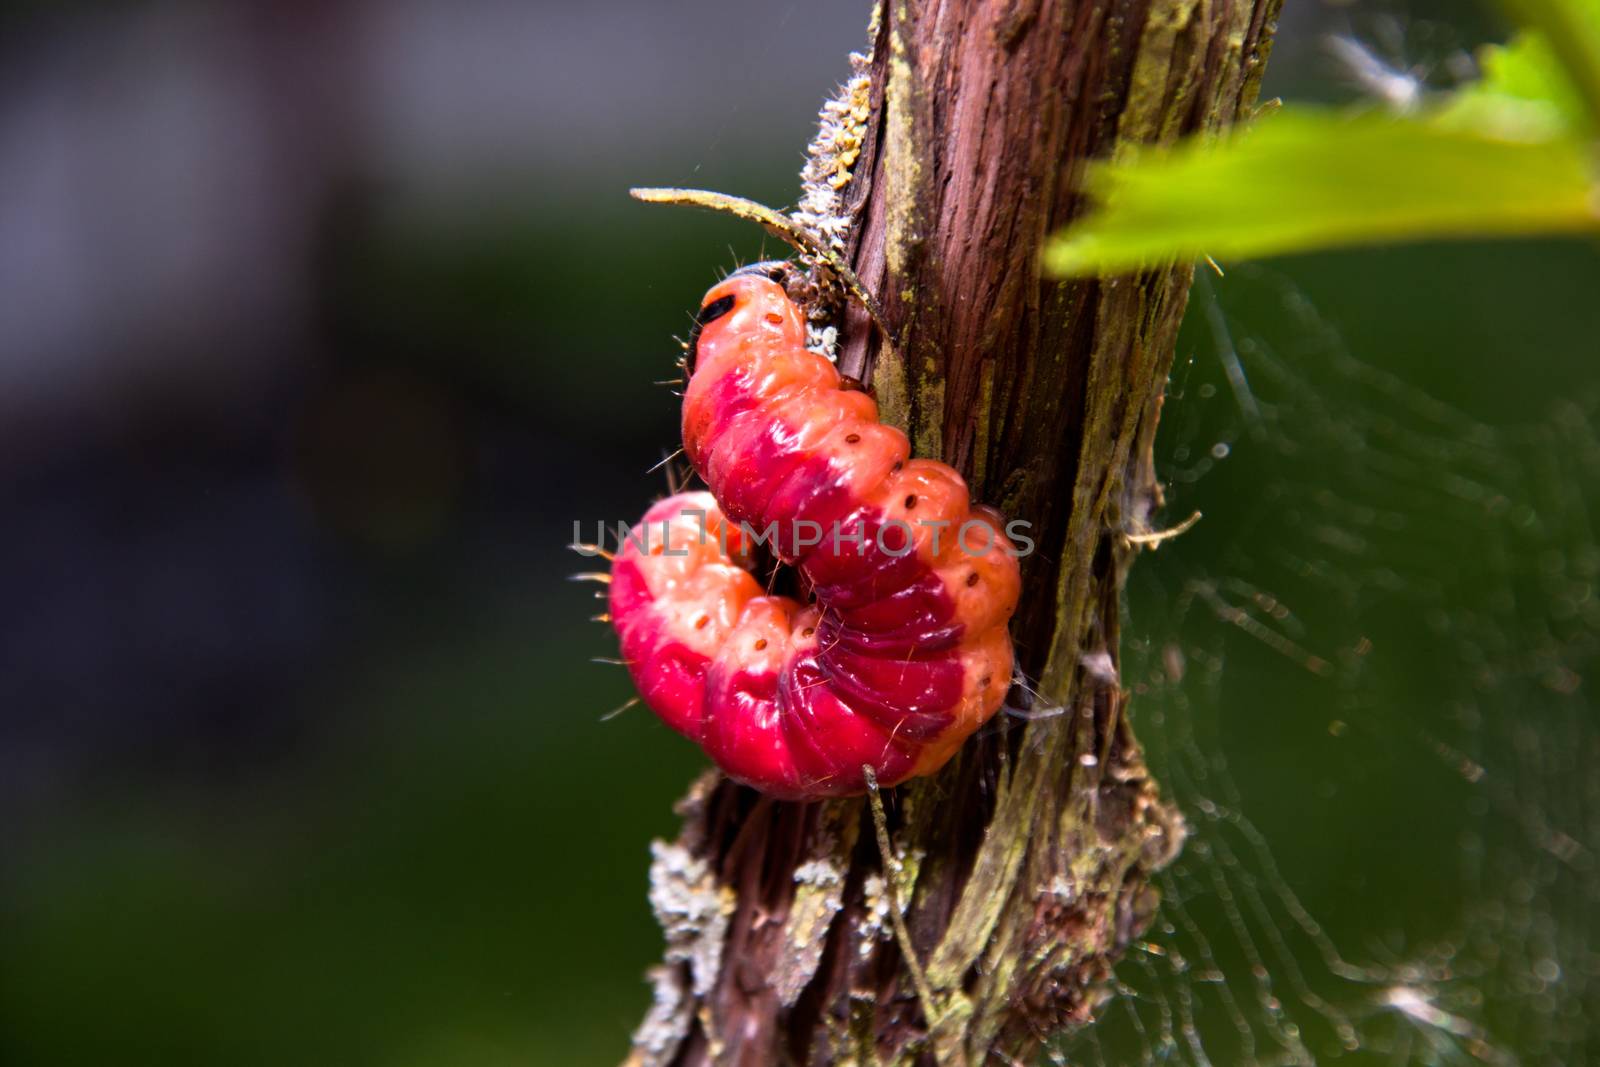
x: 324, y: 321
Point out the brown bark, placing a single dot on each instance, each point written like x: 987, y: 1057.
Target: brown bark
x: 1023, y: 865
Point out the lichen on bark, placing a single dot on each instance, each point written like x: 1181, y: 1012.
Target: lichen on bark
x: 1023, y: 867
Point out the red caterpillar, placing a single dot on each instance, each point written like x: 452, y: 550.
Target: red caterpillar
x: 903, y: 652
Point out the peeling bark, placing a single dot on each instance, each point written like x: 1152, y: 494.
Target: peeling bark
x: 1023, y: 866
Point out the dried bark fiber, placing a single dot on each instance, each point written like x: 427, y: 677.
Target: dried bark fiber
x: 1023, y: 867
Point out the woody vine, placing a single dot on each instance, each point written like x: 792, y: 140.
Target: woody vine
x: 970, y: 914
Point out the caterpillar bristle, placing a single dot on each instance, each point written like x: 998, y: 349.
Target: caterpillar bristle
x: 607, y: 661
x: 590, y: 550
x: 614, y: 712
x: 604, y: 616
x: 590, y: 576
x: 665, y: 460
x: 676, y: 480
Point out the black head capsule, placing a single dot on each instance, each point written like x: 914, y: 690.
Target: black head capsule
x: 705, y: 316
x: 775, y: 270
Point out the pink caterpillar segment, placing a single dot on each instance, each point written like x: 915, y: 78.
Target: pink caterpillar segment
x: 904, y: 651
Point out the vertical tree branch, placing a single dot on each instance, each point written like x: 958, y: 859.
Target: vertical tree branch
x: 1024, y: 864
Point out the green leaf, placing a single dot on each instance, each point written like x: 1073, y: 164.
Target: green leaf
x: 1308, y: 178
x: 1525, y: 93
x: 1571, y: 30
x: 1511, y: 154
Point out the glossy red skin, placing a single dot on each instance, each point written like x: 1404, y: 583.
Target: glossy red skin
x: 899, y: 658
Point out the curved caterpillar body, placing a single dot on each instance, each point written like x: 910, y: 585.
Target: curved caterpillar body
x: 903, y: 651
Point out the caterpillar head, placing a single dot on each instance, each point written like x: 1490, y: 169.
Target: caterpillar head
x: 749, y: 287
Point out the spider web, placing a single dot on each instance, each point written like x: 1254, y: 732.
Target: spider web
x: 1361, y: 677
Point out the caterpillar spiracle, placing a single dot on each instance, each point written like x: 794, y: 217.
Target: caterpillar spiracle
x: 902, y: 649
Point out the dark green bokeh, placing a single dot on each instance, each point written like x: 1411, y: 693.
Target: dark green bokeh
x: 447, y: 864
